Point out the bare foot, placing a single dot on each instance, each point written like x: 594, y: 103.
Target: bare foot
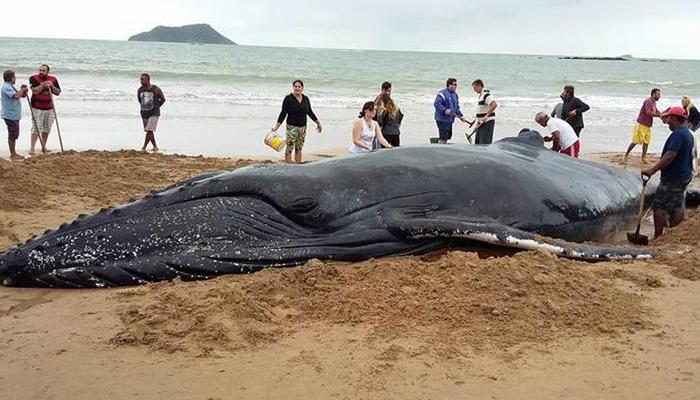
x: 16, y: 157
x: 624, y: 160
x: 32, y: 152
x: 143, y: 149
x: 155, y: 149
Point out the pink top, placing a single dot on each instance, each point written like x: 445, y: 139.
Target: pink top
x: 645, y: 113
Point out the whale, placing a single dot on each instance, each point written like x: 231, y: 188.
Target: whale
x: 402, y: 201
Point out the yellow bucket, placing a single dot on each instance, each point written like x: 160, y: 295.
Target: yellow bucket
x: 276, y: 140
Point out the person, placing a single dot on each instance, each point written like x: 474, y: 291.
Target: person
x: 295, y: 107
x: 692, y: 112
x: 446, y: 109
x: 43, y: 86
x: 365, y: 129
x: 642, y: 129
x: 11, y: 112
x: 389, y: 118
x: 562, y: 135
x: 693, y: 124
x: 557, y: 110
x: 573, y: 109
x: 385, y: 89
x: 485, y: 113
x: 676, y: 171
x: 151, y: 99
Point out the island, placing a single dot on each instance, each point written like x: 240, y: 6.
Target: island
x: 197, y: 33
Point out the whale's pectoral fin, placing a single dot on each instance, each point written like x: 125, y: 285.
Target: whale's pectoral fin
x: 450, y: 226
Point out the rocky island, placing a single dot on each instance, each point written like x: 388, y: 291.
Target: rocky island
x: 197, y: 33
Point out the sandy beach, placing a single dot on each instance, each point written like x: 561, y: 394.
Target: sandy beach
x: 451, y: 324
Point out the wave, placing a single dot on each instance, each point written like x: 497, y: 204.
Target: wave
x: 638, y: 82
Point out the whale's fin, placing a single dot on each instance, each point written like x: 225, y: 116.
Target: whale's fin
x: 450, y: 226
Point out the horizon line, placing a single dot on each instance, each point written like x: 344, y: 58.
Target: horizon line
x: 364, y: 49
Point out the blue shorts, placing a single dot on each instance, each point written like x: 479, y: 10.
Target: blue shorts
x: 444, y: 130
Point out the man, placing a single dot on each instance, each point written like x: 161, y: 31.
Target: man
x: 485, y: 115
x: 573, y: 109
x: 150, y: 98
x: 446, y: 109
x: 642, y: 129
x: 562, y: 135
x: 44, y: 86
x: 557, y: 111
x: 676, y: 166
x: 386, y: 89
x: 12, y: 109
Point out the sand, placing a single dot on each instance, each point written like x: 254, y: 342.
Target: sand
x: 451, y: 324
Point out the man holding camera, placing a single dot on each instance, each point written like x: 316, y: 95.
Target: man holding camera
x: 44, y: 86
x: 12, y: 109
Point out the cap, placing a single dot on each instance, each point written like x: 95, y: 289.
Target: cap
x: 676, y: 111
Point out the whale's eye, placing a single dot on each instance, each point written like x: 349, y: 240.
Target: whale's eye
x: 303, y: 205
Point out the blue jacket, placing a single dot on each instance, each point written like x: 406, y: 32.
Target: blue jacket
x: 444, y: 100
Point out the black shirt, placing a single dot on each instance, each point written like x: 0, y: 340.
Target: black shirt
x: 574, y: 103
x: 693, y: 116
x: 296, y: 111
x: 150, y: 98
x: 390, y: 126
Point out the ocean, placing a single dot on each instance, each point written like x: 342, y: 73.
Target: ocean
x: 221, y: 100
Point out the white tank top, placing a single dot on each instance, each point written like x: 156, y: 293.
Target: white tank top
x: 366, y: 137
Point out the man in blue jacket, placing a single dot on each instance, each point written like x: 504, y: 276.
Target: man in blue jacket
x: 446, y: 109
x: 676, y: 166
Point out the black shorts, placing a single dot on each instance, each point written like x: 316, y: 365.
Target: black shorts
x: 12, y: 129
x: 444, y: 130
x: 669, y: 196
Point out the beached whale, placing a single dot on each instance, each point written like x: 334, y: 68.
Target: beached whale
x: 408, y: 200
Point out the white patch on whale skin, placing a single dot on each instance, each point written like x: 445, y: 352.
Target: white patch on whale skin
x: 533, y: 245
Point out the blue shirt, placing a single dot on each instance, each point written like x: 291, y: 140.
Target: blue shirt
x: 11, y: 108
x: 681, y: 168
x: 444, y: 100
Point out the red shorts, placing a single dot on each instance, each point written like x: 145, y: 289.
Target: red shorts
x: 572, y: 150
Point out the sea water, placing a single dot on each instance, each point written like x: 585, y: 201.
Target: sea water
x: 222, y: 100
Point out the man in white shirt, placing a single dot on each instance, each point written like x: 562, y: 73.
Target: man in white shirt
x: 485, y: 113
x: 562, y: 135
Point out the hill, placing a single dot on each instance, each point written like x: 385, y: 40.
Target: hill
x: 197, y: 33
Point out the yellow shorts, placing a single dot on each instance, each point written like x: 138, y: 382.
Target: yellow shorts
x: 641, y: 134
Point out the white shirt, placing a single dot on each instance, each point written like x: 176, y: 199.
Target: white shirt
x: 567, y: 136
x: 483, y: 104
x: 366, y: 137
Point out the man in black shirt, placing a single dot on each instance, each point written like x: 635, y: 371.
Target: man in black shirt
x: 573, y: 109
x: 150, y: 98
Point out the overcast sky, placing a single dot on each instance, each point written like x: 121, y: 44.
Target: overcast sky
x: 642, y: 28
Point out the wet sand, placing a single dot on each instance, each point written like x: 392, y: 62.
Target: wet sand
x: 452, y: 324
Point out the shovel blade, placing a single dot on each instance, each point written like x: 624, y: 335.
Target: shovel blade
x: 637, y: 238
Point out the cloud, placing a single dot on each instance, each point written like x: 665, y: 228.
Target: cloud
x: 586, y: 27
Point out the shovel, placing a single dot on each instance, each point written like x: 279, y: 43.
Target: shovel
x: 636, y: 237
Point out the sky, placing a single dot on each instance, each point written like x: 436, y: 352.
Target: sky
x: 642, y: 28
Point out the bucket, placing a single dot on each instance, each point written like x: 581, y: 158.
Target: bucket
x: 434, y: 140
x: 276, y: 140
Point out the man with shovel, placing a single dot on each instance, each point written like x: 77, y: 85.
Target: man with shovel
x: 676, y: 166
x: 43, y: 86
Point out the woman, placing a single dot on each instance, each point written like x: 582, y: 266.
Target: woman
x: 365, y: 129
x: 693, y: 114
x: 693, y: 125
x: 389, y: 118
x: 295, y: 107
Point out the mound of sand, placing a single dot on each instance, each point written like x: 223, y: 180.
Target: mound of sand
x: 456, y: 301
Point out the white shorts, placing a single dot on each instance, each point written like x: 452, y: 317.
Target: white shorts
x: 42, y: 121
x: 150, y: 124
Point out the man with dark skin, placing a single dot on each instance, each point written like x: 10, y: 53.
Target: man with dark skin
x: 150, y: 98
x: 676, y: 168
x: 11, y: 110
x: 645, y: 119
